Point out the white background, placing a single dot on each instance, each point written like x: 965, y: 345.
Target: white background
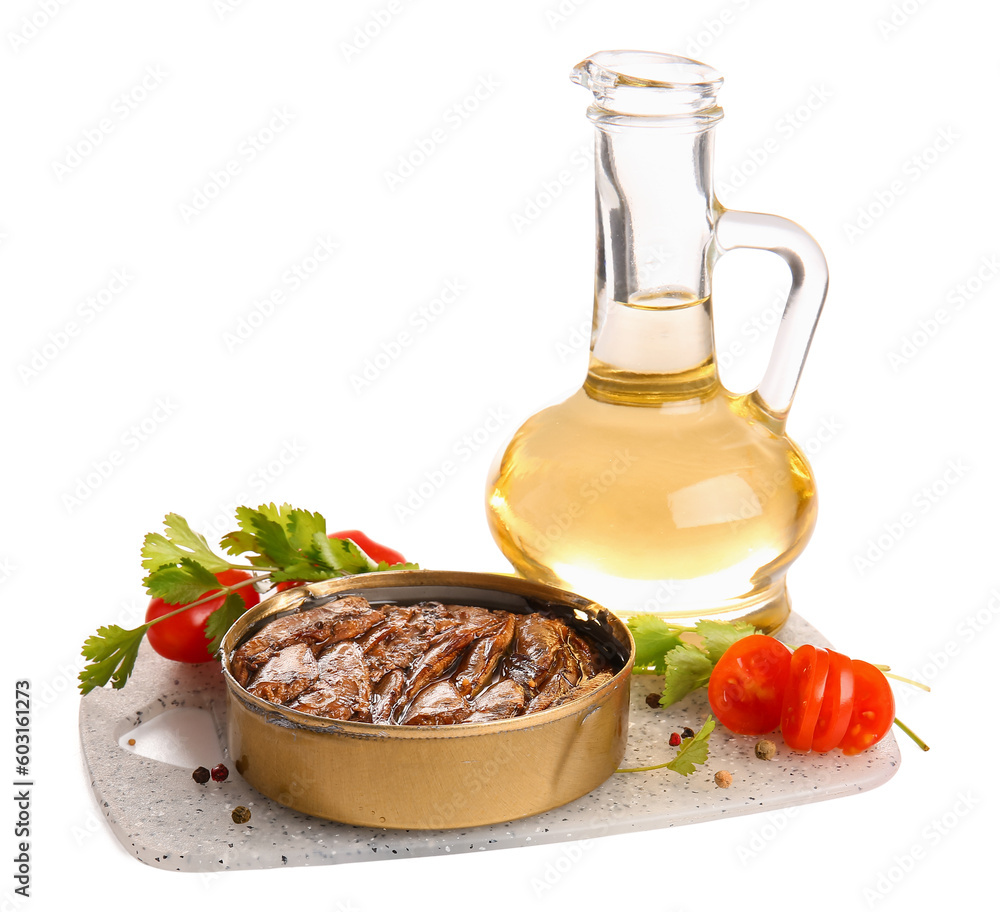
x: 278, y: 416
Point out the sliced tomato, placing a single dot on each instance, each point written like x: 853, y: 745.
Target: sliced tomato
x: 804, y: 696
x: 748, y: 684
x: 838, y: 701
x: 873, y: 712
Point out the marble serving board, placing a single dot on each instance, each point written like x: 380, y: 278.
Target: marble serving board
x: 167, y: 820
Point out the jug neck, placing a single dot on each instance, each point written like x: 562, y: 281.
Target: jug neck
x: 652, y: 336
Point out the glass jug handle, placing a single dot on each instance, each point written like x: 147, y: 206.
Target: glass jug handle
x: 810, y: 280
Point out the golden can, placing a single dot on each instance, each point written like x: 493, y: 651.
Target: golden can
x: 433, y: 776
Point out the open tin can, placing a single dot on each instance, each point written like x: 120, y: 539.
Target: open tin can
x: 433, y: 776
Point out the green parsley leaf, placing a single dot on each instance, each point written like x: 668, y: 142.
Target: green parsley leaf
x: 687, y: 669
x: 654, y: 638
x: 348, y: 557
x: 238, y: 542
x: 271, y: 540
x: 180, y: 542
x: 694, y: 751
x: 219, y: 621
x: 181, y: 584
x: 385, y: 565
x: 111, y: 652
x: 718, y: 636
x: 272, y: 512
x: 303, y: 527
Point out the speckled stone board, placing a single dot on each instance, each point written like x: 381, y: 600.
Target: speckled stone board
x: 165, y: 819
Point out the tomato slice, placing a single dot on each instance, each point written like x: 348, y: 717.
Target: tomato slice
x: 838, y: 702
x: 874, y: 709
x: 748, y: 683
x: 804, y: 696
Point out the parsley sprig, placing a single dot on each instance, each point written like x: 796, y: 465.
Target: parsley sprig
x: 693, y: 752
x: 276, y: 544
x: 685, y: 656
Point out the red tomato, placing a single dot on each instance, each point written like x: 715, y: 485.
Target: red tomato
x: 874, y: 709
x: 748, y: 684
x: 821, y: 698
x: 804, y: 696
x: 182, y: 637
x: 838, y: 700
x: 374, y: 550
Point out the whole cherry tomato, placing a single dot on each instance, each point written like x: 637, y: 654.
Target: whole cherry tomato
x: 874, y: 709
x: 747, y: 686
x: 373, y: 549
x: 182, y: 637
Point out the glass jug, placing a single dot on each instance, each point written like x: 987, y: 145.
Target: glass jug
x: 653, y: 489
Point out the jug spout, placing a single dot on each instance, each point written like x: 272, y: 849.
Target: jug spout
x: 649, y: 84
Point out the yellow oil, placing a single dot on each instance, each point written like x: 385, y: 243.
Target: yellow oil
x: 656, y: 490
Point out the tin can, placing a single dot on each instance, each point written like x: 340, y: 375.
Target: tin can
x: 433, y: 776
